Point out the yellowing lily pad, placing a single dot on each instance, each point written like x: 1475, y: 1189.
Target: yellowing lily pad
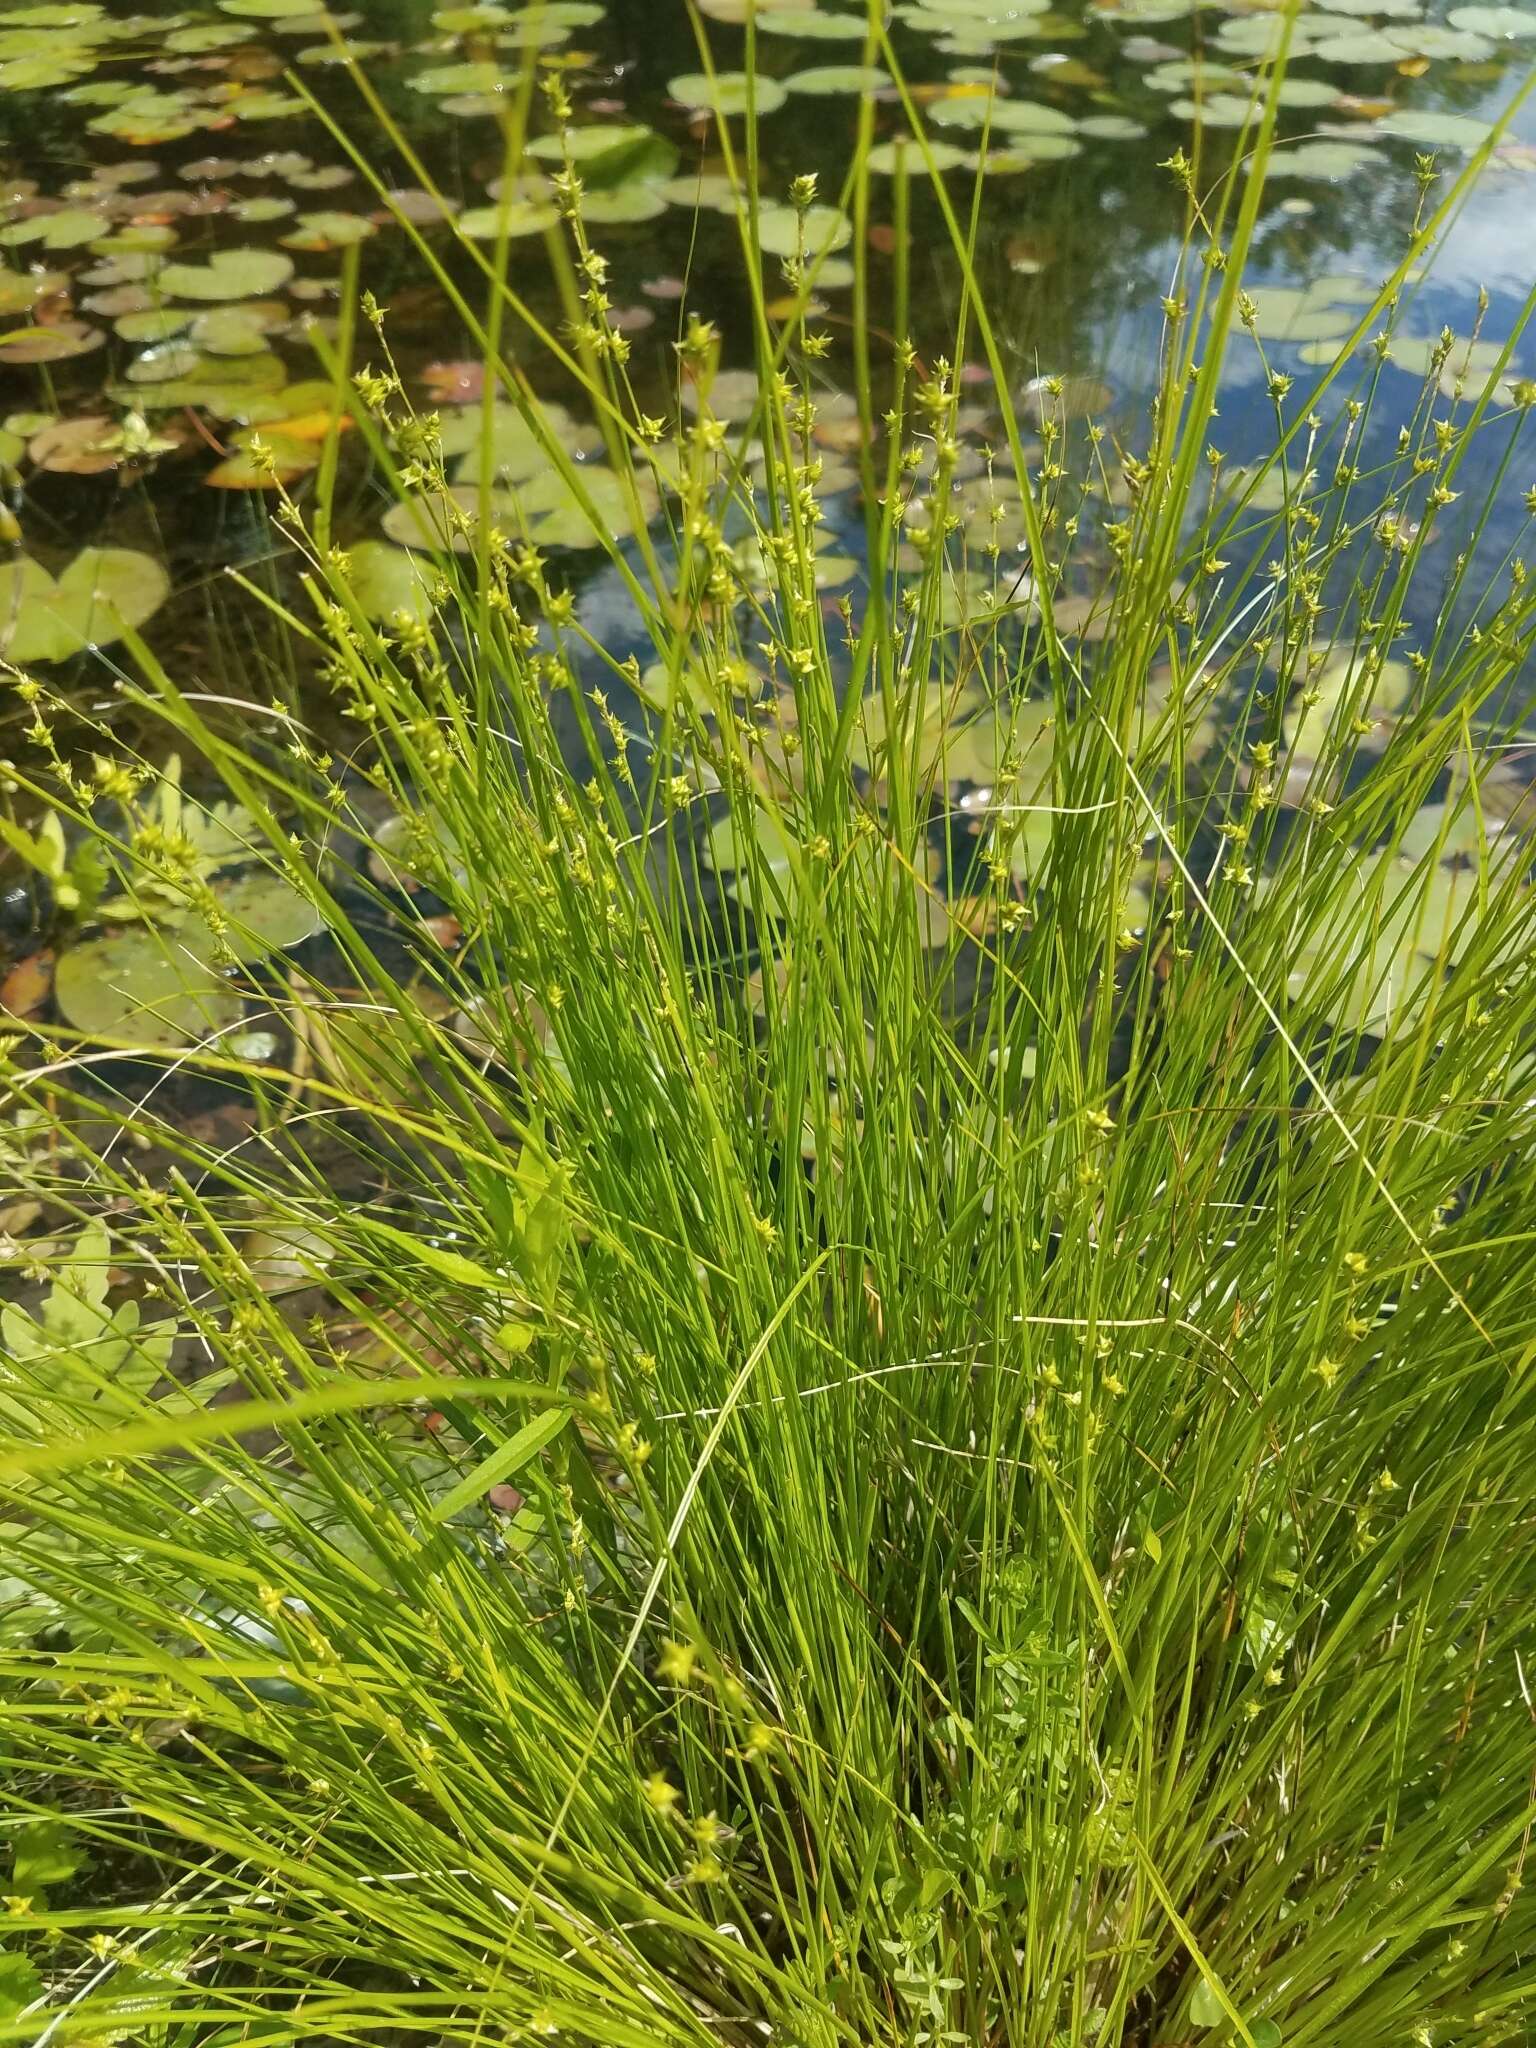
x: 104, y: 593
x: 229, y: 274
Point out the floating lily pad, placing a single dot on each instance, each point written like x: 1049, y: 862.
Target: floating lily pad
x: 322, y: 231
x: 267, y: 10
x: 228, y: 389
x: 228, y: 274
x: 554, y: 517
x: 153, y: 323
x: 838, y: 79
x: 265, y: 912
x: 780, y: 230
x: 608, y: 153
x: 1340, y: 693
x: 68, y: 228
x: 154, y: 989
x: 268, y: 206
x: 1317, y: 160
x: 174, y: 358
x: 1434, y: 128
x: 87, y: 446
x: 511, y: 218
x: 55, y: 344
x: 482, y: 79
x: 623, y: 203
x: 907, y: 159
x: 237, y: 330
x: 20, y: 290
x: 323, y: 178
x: 517, y: 452
x: 262, y: 459
x: 388, y: 582
x: 812, y: 23
x: 738, y: 857
x: 1370, y: 970
x: 102, y: 594
x: 1512, y: 24
x: 727, y: 93
x: 440, y: 522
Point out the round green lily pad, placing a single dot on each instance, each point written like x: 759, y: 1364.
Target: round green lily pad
x: 266, y: 913
x: 1433, y: 128
x: 229, y: 274
x: 727, y: 93
x: 780, y: 230
x: 102, y: 594
x: 838, y: 79
x: 155, y: 989
x: 388, y: 581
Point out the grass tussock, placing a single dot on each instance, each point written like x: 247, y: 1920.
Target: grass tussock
x: 895, y: 1405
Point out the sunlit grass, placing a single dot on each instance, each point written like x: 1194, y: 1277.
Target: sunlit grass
x: 967, y: 1184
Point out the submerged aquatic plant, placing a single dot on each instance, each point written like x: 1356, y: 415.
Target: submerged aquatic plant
x: 897, y: 1408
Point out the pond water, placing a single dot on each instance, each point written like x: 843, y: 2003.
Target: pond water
x: 179, y: 216
x: 176, y: 214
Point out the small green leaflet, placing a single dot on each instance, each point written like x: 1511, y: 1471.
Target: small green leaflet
x: 506, y: 1459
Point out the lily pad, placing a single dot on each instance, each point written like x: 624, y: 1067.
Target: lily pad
x: 838, y: 79
x: 556, y: 519
x: 266, y: 913
x: 267, y: 10
x: 262, y: 460
x: 727, y: 93
x: 609, y: 153
x: 517, y: 452
x: 238, y: 330
x: 1435, y: 128
x: 322, y: 231
x: 906, y: 158
x: 780, y: 229
x: 144, y: 986
x: 389, y: 582
x: 56, y: 344
x: 268, y: 206
x: 228, y: 274
x: 812, y: 23
x: 1512, y: 24
x: 151, y: 323
x: 20, y: 290
x: 87, y: 446
x: 440, y: 522
x: 738, y: 857
x: 68, y: 228
x: 102, y: 594
x: 511, y: 218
